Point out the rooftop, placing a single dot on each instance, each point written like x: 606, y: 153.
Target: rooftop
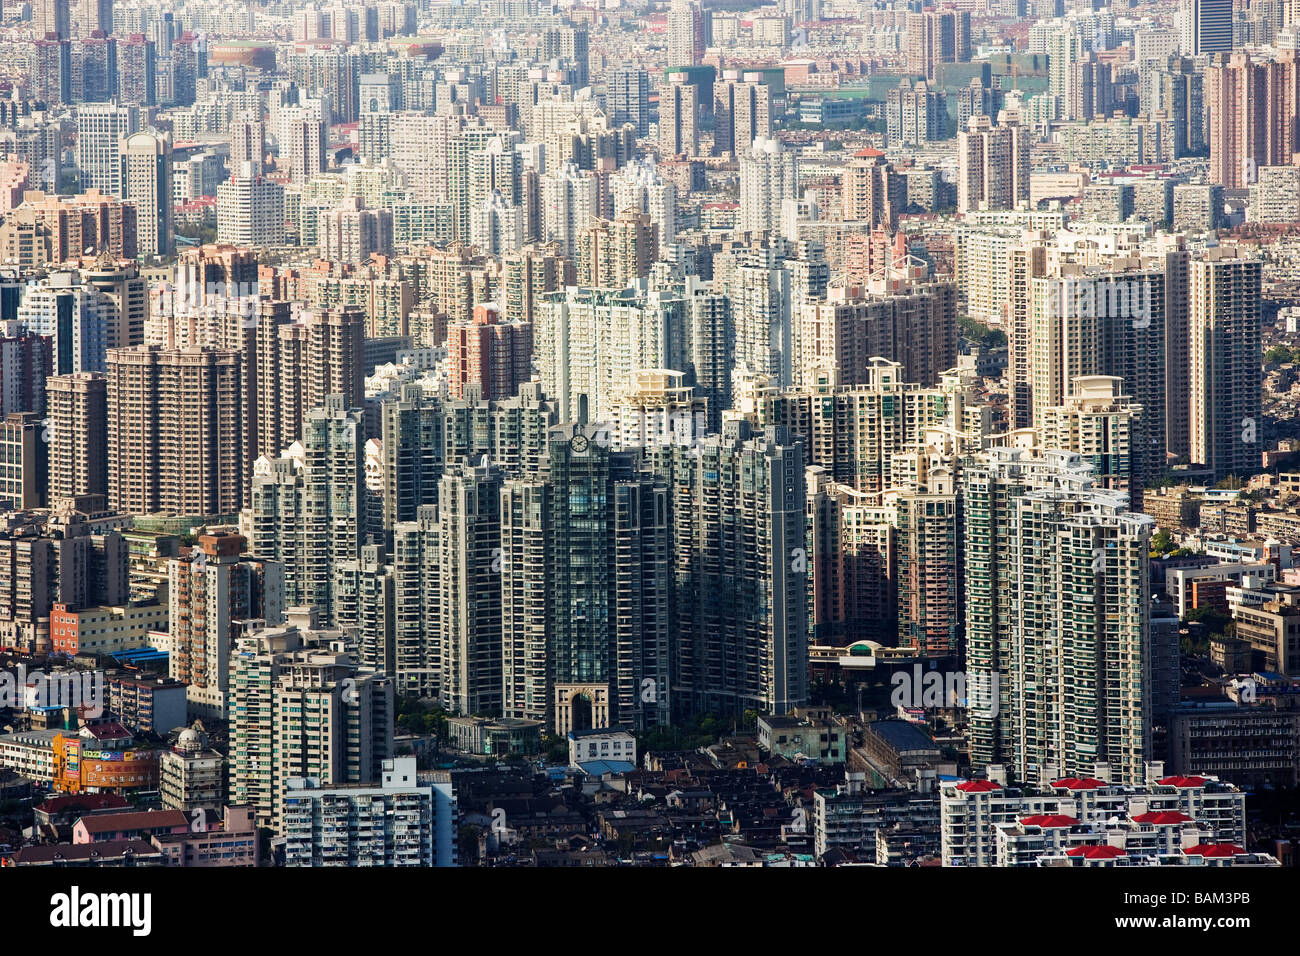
x: 140, y: 820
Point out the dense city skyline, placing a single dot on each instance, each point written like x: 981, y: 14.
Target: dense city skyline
x: 504, y: 434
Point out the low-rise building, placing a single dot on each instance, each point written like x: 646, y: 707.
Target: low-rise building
x: 150, y: 705
x: 1179, y: 581
x: 404, y: 821
x: 899, y: 747
x: 977, y: 814
x: 104, y: 631
x: 597, y: 745
x: 1250, y: 746
x: 1231, y: 655
x: 803, y: 736
x: 228, y: 841
x: 501, y: 736
x: 30, y: 753
x: 1174, y: 509
x: 850, y: 816
x: 114, y: 853
x: 1210, y: 854
x: 907, y: 845
x: 129, y: 825
x: 190, y: 774
x: 103, y: 757
x: 1273, y: 632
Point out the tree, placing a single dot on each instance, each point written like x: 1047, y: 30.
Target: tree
x: 1279, y: 354
x: 467, y: 838
x: 980, y: 334
x: 556, y: 749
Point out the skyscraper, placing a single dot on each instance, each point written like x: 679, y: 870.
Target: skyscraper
x: 1106, y: 429
x: 301, y: 706
x: 322, y: 354
x: 93, y: 68
x: 91, y: 15
x: 926, y: 543
x: 248, y: 142
x: 993, y: 164
x: 741, y: 110
x: 679, y: 106
x: 687, y: 33
x: 615, y: 254
x: 570, y: 199
x: 738, y: 556
x: 50, y: 68
x: 628, y: 96
x: 101, y: 128
x: 417, y: 619
x: 310, y: 510
x: 175, y: 431
x: 124, y: 296
x: 147, y: 182
x: 470, y: 587
x: 78, y: 424
x: 871, y: 192
x: 349, y: 232
x: 303, y: 147
x: 568, y: 45
x: 214, y: 594
x: 495, y: 355
x: 496, y: 225
x: 606, y: 574
x: 74, y: 315
x: 1246, y: 105
x: 1057, y: 619
x: 588, y: 342
x: 526, y: 505
x: 1226, y: 378
x: 767, y: 178
x: 137, y: 71
x: 934, y: 37
x: 1102, y: 323
x: 639, y: 186
x: 51, y: 17
x: 1207, y: 26
x: 25, y: 364
x: 250, y: 210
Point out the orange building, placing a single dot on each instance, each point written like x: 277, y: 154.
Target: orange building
x: 64, y: 630
x: 102, y: 759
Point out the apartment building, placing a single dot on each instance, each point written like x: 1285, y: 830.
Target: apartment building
x: 301, y: 707
x: 401, y: 821
x: 1159, y: 814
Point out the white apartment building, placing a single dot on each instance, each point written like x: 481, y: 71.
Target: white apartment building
x: 987, y: 823
x: 591, y: 746
x: 250, y: 211
x: 768, y: 177
x: 101, y: 127
x: 400, y: 822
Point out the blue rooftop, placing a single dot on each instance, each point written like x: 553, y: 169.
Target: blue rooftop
x: 596, y: 768
x: 136, y: 654
x: 902, y: 735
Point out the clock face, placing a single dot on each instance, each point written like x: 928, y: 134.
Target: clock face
x: 580, y: 444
